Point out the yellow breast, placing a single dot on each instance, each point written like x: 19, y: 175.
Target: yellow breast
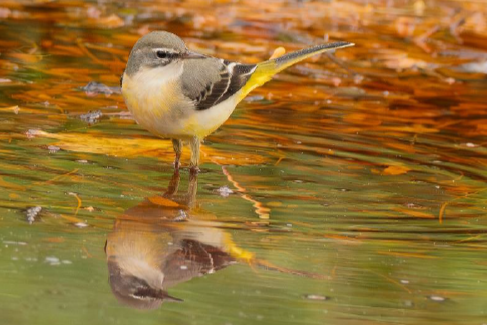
x: 154, y: 98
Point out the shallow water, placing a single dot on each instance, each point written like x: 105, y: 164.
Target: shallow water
x: 349, y: 193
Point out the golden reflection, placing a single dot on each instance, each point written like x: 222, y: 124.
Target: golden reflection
x: 162, y: 242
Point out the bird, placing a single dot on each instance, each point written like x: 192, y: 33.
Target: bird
x: 183, y: 95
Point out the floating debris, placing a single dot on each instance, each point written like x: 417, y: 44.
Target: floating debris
x: 437, y: 298
x: 94, y: 88
x: 316, y: 297
x: 225, y: 191
x: 31, y: 133
x: 52, y: 260
x: 10, y: 242
x: 5, y: 12
x: 404, y: 281
x: 471, y: 145
x: 32, y: 213
x: 93, y: 12
x: 15, y: 109
x: 181, y: 216
x: 412, y: 205
x: 121, y: 115
x: 81, y: 225
x: 53, y: 149
x: 408, y: 303
x: 474, y: 67
x: 91, y: 117
x: 256, y: 98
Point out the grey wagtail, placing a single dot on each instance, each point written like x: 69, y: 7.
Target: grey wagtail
x: 179, y: 94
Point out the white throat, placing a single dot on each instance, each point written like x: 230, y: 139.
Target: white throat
x: 158, y: 76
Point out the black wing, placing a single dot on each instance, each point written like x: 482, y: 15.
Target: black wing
x: 225, y: 79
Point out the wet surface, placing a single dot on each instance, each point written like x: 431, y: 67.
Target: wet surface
x: 348, y: 190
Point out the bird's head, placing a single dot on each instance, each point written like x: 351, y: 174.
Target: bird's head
x: 158, y: 49
x: 136, y: 292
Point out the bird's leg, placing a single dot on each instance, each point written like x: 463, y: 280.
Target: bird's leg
x: 173, y: 184
x: 192, y: 188
x: 194, y: 145
x: 178, y: 147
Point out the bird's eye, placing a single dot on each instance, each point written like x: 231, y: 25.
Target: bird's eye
x: 162, y: 54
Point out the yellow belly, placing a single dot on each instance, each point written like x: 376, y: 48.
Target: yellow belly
x: 156, y: 103
x: 203, y: 123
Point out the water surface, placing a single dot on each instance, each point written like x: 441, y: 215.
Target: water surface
x: 345, y: 191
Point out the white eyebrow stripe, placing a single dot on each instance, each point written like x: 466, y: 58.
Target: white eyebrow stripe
x: 165, y: 50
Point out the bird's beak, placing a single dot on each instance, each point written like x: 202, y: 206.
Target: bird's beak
x: 166, y: 297
x: 193, y: 55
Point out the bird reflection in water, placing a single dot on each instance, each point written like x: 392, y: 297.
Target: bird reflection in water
x: 162, y: 242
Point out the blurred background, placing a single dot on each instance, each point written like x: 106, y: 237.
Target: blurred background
x: 356, y: 181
